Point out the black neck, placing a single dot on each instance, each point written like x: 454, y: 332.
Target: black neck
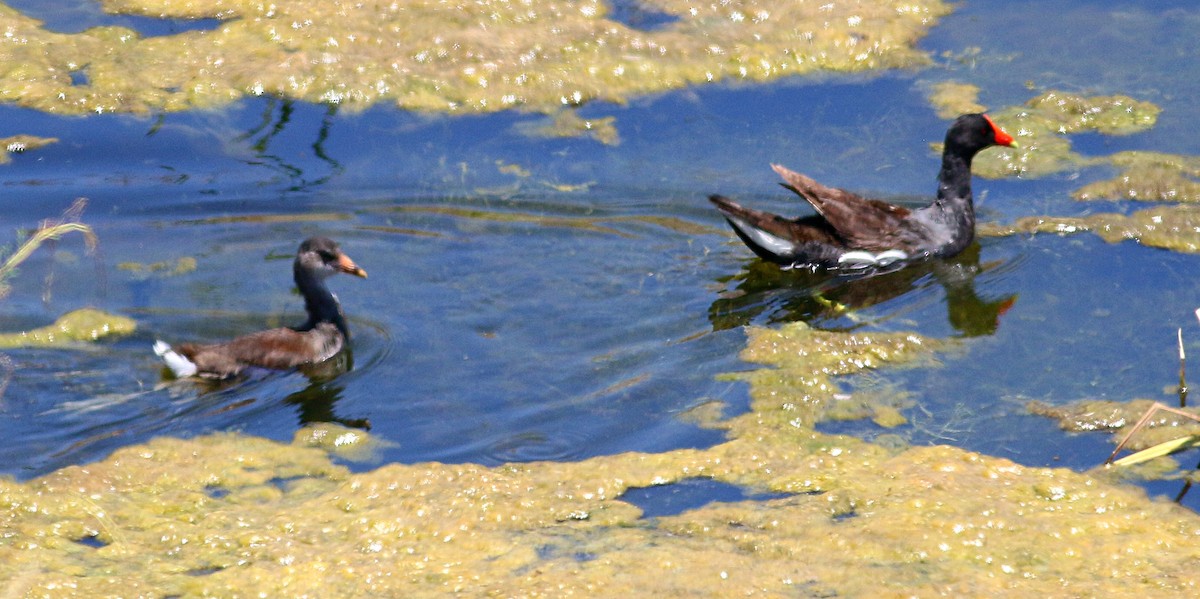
x: 320, y: 303
x: 954, y: 182
x: 954, y: 206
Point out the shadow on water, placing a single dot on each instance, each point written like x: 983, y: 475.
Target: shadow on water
x: 764, y: 292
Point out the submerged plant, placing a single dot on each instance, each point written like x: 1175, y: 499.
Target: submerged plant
x: 1168, y: 447
x: 49, y: 231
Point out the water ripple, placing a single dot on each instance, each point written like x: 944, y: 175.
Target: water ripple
x: 535, y: 446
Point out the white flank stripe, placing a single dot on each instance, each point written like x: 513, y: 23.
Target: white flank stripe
x: 772, y: 243
x: 860, y: 258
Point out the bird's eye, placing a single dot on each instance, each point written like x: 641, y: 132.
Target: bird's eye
x: 327, y: 256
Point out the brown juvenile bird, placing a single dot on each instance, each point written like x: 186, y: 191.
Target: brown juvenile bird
x: 317, y: 340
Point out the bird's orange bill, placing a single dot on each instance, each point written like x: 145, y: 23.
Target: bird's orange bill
x: 1002, y: 138
x: 346, y: 265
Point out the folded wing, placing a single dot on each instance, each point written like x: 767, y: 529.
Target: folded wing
x: 857, y: 221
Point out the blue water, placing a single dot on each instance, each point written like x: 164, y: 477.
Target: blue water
x: 531, y: 323
x: 689, y: 494
x: 74, y: 16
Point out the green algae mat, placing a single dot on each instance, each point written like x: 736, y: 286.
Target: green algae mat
x: 226, y: 515
x: 75, y: 327
x: 443, y: 56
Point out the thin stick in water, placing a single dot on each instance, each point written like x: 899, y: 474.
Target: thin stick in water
x: 1183, y: 390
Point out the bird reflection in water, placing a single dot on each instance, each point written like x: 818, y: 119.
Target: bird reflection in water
x: 315, y: 402
x: 763, y: 289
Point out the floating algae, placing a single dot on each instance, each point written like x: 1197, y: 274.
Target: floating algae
x: 227, y: 514
x: 1117, y: 417
x: 798, y: 392
x: 472, y: 218
x: 1175, y: 228
x: 568, y: 123
x: 22, y: 143
x: 165, y: 268
x: 1148, y: 176
x: 444, y: 56
x: 1067, y: 113
x: 87, y: 324
x: 951, y: 99
x: 341, y: 441
x: 1041, y: 124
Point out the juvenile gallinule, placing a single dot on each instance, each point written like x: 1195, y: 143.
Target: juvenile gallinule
x: 317, y: 340
x: 852, y: 232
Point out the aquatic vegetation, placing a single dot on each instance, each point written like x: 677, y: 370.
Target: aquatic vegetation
x: 709, y: 414
x: 1158, y: 431
x: 49, y: 231
x: 1068, y: 113
x: 951, y: 98
x: 270, y: 218
x: 1172, y: 227
x: 85, y: 324
x: 472, y: 217
x: 22, y: 143
x: 343, y: 442
x: 568, y: 123
x: 1116, y: 417
x: 1138, y: 425
x: 798, y: 392
x: 1148, y: 176
x: 229, y: 514
x: 426, y: 55
x: 166, y: 268
x: 1163, y: 449
x: 75, y: 326
x: 1041, y: 124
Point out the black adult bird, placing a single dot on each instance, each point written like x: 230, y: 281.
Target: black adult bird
x: 851, y: 232
x: 317, y: 340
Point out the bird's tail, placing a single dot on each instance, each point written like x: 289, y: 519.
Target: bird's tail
x: 762, y: 231
x: 181, y: 366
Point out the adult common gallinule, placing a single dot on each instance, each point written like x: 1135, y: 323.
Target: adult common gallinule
x: 317, y: 340
x: 852, y: 232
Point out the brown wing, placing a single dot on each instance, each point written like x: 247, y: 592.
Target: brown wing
x: 794, y: 230
x: 275, y: 348
x: 863, y: 223
x: 808, y: 240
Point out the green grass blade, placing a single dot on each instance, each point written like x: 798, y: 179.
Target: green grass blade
x: 1159, y: 450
